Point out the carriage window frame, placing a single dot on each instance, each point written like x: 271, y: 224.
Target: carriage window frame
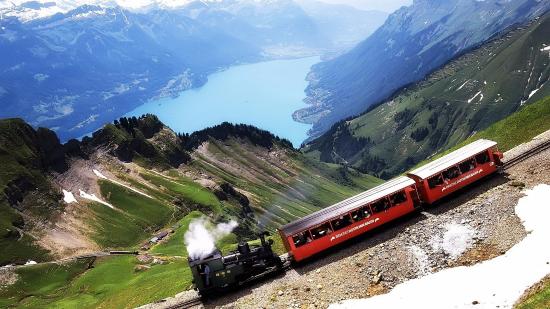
x: 485, y: 155
x: 400, y: 192
x: 368, y: 209
x: 456, y: 168
x: 306, y: 236
x: 360, y: 214
x: 469, y: 160
x: 327, y: 230
x: 441, y: 181
x: 385, y: 206
x: 346, y: 224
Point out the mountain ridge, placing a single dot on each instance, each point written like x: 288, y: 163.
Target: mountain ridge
x: 414, y: 41
x: 464, y: 96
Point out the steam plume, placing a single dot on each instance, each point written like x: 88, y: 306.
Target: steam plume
x: 200, y: 238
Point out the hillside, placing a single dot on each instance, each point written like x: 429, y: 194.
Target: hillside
x: 414, y: 41
x: 136, y: 176
x: 27, y: 155
x: 463, y: 97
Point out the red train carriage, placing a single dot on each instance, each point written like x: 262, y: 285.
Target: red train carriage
x: 456, y: 170
x: 349, y: 218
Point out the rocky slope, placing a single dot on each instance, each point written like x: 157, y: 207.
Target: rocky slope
x: 461, y: 98
x: 414, y: 41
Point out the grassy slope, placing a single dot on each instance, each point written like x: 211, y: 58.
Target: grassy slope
x: 513, y: 130
x: 113, y: 282
x: 502, y: 73
x: 134, y: 218
x: 174, y: 245
x: 282, y: 189
x: 537, y: 300
x: 520, y: 127
x: 185, y: 187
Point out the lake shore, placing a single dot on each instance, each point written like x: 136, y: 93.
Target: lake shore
x: 263, y: 94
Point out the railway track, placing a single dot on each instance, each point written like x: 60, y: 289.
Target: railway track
x: 527, y: 154
x: 186, y: 304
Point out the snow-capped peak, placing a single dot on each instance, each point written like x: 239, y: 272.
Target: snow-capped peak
x: 28, y: 10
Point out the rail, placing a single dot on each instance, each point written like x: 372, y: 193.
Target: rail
x: 527, y: 154
x: 190, y: 303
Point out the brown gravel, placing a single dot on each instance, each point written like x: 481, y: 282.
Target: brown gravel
x: 376, y: 262
x: 7, y: 277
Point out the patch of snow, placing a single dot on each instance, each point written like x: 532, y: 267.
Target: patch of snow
x: 472, y: 98
x: 68, y: 197
x: 464, y: 84
x: 455, y: 240
x: 31, y: 262
x: 547, y: 48
x: 486, y: 283
x: 420, y: 259
x: 94, y: 198
x: 533, y: 93
x: 100, y: 175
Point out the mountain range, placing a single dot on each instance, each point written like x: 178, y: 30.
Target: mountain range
x: 414, y: 41
x: 465, y: 96
x: 73, y: 67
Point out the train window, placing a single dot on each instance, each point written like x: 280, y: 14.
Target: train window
x: 467, y: 165
x: 482, y: 158
x: 380, y: 205
x: 341, y: 222
x: 301, y: 239
x: 435, y: 181
x: 398, y: 198
x: 367, y: 212
x: 357, y: 215
x: 451, y: 173
x: 321, y: 231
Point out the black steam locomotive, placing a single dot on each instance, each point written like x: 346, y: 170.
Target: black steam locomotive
x: 216, y: 273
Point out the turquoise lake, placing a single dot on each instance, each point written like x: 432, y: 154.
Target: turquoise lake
x: 262, y: 94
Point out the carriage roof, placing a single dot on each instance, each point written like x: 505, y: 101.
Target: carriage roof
x: 347, y: 205
x: 453, y: 158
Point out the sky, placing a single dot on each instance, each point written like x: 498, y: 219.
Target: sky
x: 380, y: 5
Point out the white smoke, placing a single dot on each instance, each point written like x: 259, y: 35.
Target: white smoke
x: 200, y: 238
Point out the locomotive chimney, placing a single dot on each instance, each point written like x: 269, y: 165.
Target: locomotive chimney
x: 243, y: 248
